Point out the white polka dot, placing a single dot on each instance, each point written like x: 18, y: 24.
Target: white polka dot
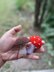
x: 28, y: 37
x: 38, y: 39
x: 34, y: 41
x: 34, y: 36
x: 43, y: 42
x: 39, y: 43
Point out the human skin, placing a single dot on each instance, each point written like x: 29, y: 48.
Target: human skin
x: 8, y: 52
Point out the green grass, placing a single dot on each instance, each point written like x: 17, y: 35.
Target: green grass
x: 8, y: 18
x: 7, y: 15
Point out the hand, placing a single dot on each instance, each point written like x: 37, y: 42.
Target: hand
x: 7, y: 51
x: 7, y: 41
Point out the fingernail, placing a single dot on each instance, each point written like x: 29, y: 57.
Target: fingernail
x: 19, y: 26
x: 29, y: 43
x: 43, y: 41
x: 42, y: 49
x: 35, y: 57
x: 28, y: 37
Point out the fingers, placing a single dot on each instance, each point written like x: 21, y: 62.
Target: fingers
x: 41, y: 50
x: 28, y: 44
x: 11, y: 55
x: 14, y: 55
x: 43, y: 42
x: 18, y: 56
x: 33, y: 57
x: 16, y: 29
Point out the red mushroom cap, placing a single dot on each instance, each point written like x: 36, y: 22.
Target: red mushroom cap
x: 37, y: 41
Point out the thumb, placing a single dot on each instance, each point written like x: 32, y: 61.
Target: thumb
x: 14, y: 30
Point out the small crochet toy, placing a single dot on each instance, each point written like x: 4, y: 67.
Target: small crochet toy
x: 36, y: 43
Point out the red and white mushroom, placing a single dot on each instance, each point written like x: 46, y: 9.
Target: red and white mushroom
x: 36, y: 41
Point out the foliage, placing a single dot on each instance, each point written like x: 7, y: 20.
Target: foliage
x: 48, y: 30
x: 6, y: 7
x: 40, y: 8
x: 20, y: 3
x: 26, y: 4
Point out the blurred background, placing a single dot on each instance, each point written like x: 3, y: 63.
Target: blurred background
x: 37, y: 18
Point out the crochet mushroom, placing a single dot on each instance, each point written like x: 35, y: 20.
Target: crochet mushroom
x: 36, y: 41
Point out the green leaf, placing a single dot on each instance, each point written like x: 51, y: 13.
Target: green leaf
x: 52, y: 53
x: 49, y: 32
x: 49, y: 46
